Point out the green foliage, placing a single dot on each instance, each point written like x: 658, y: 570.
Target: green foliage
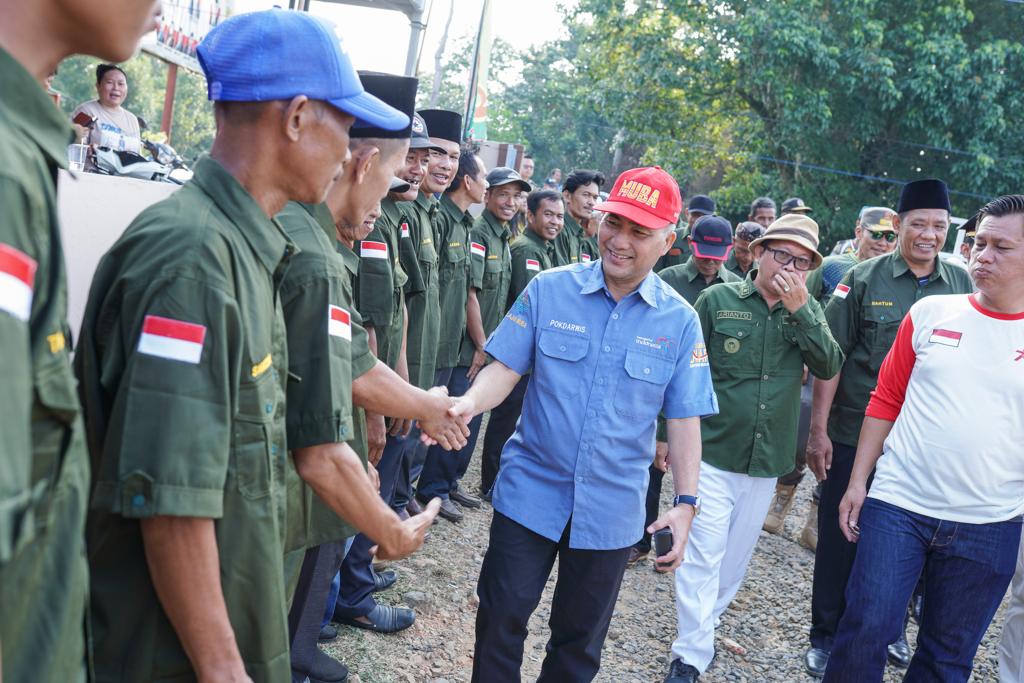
x: 192, y: 129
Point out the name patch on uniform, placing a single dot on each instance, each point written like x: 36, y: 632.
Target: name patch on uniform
x: 945, y: 337
x: 585, y: 258
x: 17, y: 277
x: 532, y: 264
x: 172, y: 339
x: 492, y: 258
x: 569, y: 327
x: 734, y: 315
x: 841, y: 291
x: 262, y: 366
x: 427, y: 240
x: 882, y: 303
x: 373, y: 249
x: 478, y: 249
x: 339, y: 322
x: 405, y: 229
x: 56, y: 342
x: 699, y: 356
x: 452, y: 245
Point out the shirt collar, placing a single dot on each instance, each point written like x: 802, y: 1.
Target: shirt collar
x: 900, y: 266
x: 690, y: 269
x: 263, y: 234
x: 497, y: 227
x: 454, y: 212
x: 571, y: 224
x: 648, y: 288
x: 531, y: 236
x: 425, y: 201
x: 32, y: 112
x: 747, y: 288
x: 348, y: 257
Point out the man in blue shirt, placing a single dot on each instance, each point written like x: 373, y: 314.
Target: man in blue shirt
x: 610, y: 347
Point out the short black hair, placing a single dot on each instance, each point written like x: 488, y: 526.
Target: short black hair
x: 103, y: 69
x: 468, y: 166
x: 581, y: 177
x: 528, y: 155
x: 1007, y: 205
x: 534, y: 199
x: 761, y: 203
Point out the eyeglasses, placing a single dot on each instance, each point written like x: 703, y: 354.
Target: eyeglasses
x: 887, y: 235
x: 784, y: 258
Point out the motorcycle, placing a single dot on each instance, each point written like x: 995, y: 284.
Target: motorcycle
x: 166, y: 165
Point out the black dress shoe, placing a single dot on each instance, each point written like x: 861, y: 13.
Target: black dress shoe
x: 466, y: 500
x: 327, y: 669
x: 383, y: 619
x: 328, y: 633
x: 384, y: 580
x: 678, y: 672
x: 816, y: 660
x: 899, y: 652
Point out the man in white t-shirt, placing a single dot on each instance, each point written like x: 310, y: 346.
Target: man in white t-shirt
x: 944, y: 426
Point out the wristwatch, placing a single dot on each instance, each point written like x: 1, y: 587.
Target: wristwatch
x: 688, y: 500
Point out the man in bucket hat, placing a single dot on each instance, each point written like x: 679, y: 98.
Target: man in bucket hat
x: 759, y: 334
x: 610, y: 346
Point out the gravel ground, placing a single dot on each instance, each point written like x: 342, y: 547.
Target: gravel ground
x: 762, y: 635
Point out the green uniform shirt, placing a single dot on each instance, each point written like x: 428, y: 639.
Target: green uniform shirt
x: 327, y: 349
x: 530, y: 255
x: 864, y: 320
x: 379, y: 285
x: 44, y: 474
x: 491, y: 275
x: 678, y: 253
x: 688, y: 281
x: 757, y: 358
x: 823, y: 280
x: 183, y: 365
x: 424, y: 307
x: 589, y: 248
x: 567, y: 244
x: 733, y: 266
x: 453, y: 226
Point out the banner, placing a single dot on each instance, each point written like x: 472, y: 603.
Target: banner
x: 477, y: 106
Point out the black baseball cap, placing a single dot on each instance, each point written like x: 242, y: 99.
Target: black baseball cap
x: 503, y: 175
x: 420, y: 136
x: 711, y: 237
x: 701, y: 203
x: 795, y: 205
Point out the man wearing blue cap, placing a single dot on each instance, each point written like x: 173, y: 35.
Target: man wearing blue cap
x: 700, y: 205
x: 44, y: 471
x: 183, y: 368
x: 864, y: 314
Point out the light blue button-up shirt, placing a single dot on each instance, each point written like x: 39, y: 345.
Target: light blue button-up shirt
x: 602, y: 371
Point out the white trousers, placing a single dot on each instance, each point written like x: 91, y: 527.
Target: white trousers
x: 1011, y: 646
x: 722, y: 540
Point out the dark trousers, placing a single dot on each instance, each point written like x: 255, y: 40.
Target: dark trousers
x: 512, y: 578
x: 416, y: 455
x: 304, y: 619
x: 355, y: 597
x: 500, y: 427
x: 652, y: 506
x: 442, y: 469
x: 967, y: 568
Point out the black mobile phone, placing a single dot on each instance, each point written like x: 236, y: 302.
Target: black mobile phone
x: 662, y: 543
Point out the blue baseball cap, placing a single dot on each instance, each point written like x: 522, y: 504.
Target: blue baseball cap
x: 279, y: 54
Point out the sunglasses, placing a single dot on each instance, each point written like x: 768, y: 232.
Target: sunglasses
x: 887, y: 235
x: 783, y: 257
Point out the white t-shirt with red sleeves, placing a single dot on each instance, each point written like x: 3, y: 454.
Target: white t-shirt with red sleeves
x: 953, y: 383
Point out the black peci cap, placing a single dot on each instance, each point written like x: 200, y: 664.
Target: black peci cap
x: 930, y: 193
x: 443, y: 124
x: 701, y: 203
x: 396, y: 91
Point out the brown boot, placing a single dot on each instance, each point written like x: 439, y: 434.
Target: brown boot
x: 781, y: 503
x: 809, y: 536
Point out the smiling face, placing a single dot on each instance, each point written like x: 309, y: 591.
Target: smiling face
x: 501, y: 201
x: 629, y: 250
x: 872, y: 243
x: 997, y: 259
x: 441, y: 167
x: 549, y: 219
x: 413, y: 171
x: 922, y: 233
x: 112, y: 90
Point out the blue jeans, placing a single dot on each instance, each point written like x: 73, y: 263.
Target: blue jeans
x: 966, y: 567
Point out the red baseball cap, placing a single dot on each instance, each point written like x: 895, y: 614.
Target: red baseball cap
x: 648, y: 196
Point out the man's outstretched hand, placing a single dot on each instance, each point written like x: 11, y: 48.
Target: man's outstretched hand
x: 411, y: 538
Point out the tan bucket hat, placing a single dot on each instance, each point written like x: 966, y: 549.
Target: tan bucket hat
x: 795, y: 228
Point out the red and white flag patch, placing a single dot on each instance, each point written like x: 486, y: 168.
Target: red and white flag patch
x: 842, y: 291
x: 532, y: 264
x: 946, y: 337
x: 405, y: 229
x: 339, y: 323
x: 585, y: 258
x: 172, y: 339
x: 17, y: 275
x: 478, y: 249
x: 368, y: 249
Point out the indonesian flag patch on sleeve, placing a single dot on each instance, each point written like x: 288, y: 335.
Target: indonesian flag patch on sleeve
x: 17, y: 275
x: 532, y: 264
x: 584, y: 258
x: 339, y: 323
x: 842, y: 291
x: 478, y: 249
x: 405, y: 229
x: 369, y: 249
x: 945, y: 337
x: 172, y: 339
